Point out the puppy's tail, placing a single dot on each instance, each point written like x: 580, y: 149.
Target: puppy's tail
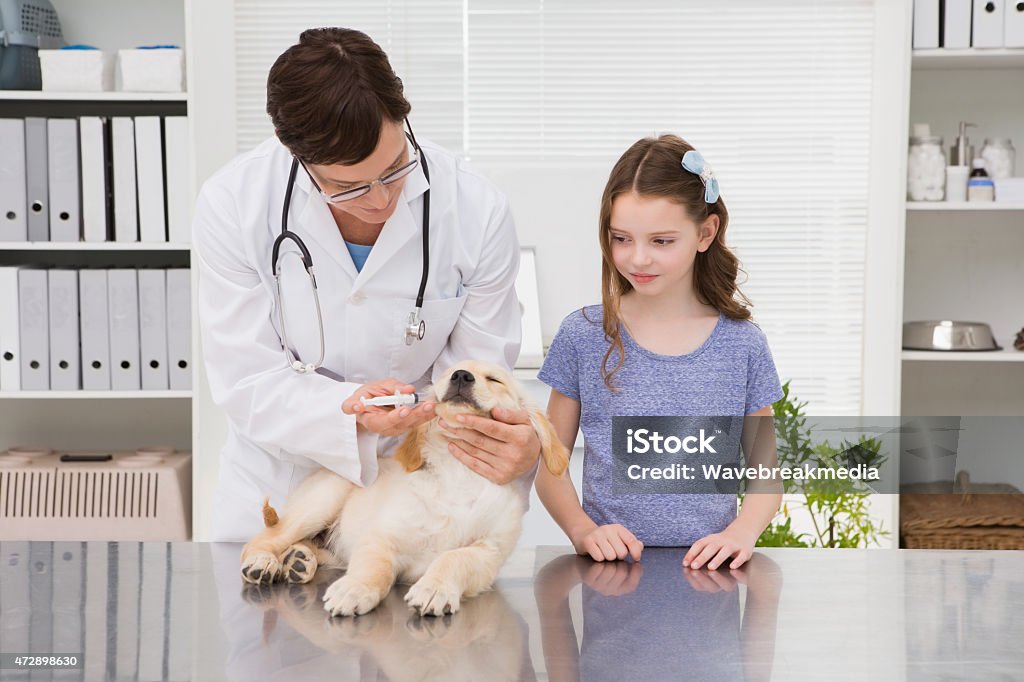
x: 269, y: 514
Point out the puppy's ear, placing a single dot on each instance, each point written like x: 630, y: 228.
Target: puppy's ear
x: 552, y: 451
x: 410, y: 452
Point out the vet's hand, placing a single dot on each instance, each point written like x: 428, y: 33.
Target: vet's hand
x: 500, y: 449
x: 387, y: 421
x: 715, y: 549
x: 608, y: 543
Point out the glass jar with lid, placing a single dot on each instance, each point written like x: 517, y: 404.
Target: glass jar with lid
x: 999, y: 156
x: 926, y: 169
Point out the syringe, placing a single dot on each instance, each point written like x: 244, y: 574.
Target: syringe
x: 395, y: 400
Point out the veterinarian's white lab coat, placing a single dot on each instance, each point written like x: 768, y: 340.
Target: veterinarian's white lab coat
x: 284, y: 425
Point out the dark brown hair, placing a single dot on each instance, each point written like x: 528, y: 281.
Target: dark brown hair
x: 652, y: 167
x: 329, y: 95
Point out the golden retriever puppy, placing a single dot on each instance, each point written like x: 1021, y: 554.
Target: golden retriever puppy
x: 427, y: 520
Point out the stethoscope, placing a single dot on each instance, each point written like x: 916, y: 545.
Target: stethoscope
x: 415, y: 327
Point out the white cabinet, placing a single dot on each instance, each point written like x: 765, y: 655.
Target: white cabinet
x: 108, y: 420
x: 966, y: 261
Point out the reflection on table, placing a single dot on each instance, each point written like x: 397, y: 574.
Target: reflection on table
x: 156, y: 611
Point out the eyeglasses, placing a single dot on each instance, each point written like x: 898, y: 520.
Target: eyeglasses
x: 384, y: 180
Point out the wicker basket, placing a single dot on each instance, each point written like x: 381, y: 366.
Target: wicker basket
x: 963, y: 515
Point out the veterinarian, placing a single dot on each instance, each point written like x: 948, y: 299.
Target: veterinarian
x: 395, y: 261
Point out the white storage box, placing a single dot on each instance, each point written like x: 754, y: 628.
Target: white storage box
x: 1009, y: 190
x: 76, y: 70
x: 151, y: 70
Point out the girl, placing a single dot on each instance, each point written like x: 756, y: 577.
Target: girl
x: 671, y: 337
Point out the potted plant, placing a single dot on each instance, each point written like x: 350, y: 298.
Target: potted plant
x: 839, y: 518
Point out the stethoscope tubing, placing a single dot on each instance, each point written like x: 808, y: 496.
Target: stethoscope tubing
x: 416, y: 327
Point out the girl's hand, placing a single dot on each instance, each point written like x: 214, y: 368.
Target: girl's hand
x: 614, y: 580
x: 608, y: 543
x: 714, y: 549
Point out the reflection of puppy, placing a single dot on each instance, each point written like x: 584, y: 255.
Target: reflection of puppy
x: 427, y: 519
x: 485, y: 641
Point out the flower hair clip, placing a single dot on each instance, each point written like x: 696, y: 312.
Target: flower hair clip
x: 695, y: 163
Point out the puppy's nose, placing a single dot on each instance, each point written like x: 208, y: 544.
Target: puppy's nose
x: 461, y: 377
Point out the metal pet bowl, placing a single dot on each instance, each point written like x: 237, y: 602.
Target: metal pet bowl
x: 948, y: 335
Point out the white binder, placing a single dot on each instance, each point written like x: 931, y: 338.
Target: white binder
x: 34, y: 329
x: 956, y: 24
x: 153, y: 329
x: 95, y: 218
x: 95, y: 329
x: 37, y: 180
x: 926, y: 24
x: 1013, y: 28
x: 10, y: 334
x: 179, y: 329
x: 149, y: 169
x: 987, y: 30
x: 123, y: 306
x: 126, y: 214
x: 64, y: 347
x: 62, y: 162
x: 13, y: 190
x: 177, y: 165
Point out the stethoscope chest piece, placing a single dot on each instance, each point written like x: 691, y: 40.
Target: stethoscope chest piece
x: 415, y: 328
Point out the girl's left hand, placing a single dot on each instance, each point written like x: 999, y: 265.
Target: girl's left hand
x: 715, y: 549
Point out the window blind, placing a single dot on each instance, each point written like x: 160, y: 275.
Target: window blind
x: 775, y: 93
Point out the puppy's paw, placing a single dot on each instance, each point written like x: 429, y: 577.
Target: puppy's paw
x: 432, y: 597
x: 260, y: 567
x: 299, y: 563
x: 349, y: 597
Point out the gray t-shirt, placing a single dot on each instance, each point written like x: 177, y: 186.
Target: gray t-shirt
x: 731, y: 374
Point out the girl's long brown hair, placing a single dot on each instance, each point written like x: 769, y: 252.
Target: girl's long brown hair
x: 652, y: 167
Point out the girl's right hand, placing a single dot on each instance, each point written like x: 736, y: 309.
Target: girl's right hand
x: 609, y: 543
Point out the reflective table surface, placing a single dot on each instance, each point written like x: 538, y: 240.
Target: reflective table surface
x: 155, y: 611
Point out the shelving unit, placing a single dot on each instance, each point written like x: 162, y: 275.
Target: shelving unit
x: 44, y: 96
x: 963, y: 206
x: 971, y: 58
x: 966, y: 260
x: 1004, y: 355
x: 91, y: 246
x: 93, y: 395
x: 963, y: 260
x: 102, y: 420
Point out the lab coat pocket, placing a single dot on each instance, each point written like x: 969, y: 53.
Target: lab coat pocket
x: 411, y: 363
